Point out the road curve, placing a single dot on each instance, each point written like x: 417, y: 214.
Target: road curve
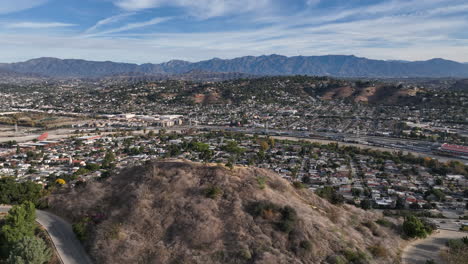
x: 419, y: 251
x: 68, y: 247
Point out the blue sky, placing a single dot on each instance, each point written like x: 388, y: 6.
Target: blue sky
x: 155, y: 31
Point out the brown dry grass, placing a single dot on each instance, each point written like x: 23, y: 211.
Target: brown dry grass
x: 159, y: 214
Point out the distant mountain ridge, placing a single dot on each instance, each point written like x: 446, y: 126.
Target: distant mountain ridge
x: 329, y: 65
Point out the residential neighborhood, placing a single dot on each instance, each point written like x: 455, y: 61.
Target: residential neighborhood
x: 386, y: 180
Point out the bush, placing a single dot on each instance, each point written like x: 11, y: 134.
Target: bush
x: 414, y: 227
x: 456, y: 252
x: 259, y: 208
x: 261, y: 182
x: 378, y: 251
x: 306, y: 245
x: 457, y: 244
x: 245, y: 254
x: 384, y: 222
x: 366, y: 204
x: 285, y: 218
x: 298, y: 185
x: 373, y: 228
x: 213, y: 192
x: 356, y: 257
x: 330, y: 194
x: 81, y: 229
x: 286, y: 226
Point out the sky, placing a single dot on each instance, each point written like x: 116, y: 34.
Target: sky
x: 154, y: 31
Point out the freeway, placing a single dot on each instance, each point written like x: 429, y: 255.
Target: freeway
x: 68, y: 247
x: 416, y: 147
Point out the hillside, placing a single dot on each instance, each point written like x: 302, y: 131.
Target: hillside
x: 296, y: 88
x: 181, y: 212
x: 329, y: 65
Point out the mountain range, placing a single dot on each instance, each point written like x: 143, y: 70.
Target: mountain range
x: 329, y: 65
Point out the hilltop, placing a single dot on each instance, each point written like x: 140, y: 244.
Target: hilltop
x: 182, y: 212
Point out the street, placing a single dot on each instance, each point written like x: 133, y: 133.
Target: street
x: 68, y: 247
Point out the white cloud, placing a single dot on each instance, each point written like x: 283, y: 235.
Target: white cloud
x: 199, y: 8
x: 109, y: 20
x: 37, y: 25
x: 131, y: 26
x: 11, y: 6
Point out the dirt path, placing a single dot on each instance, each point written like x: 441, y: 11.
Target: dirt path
x: 421, y: 250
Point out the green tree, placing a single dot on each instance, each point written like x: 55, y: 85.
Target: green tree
x: 356, y: 192
x: 19, y: 223
x: 206, y: 155
x: 366, y: 204
x: 109, y: 159
x: 233, y: 147
x: 414, y: 227
x: 330, y: 194
x: 400, y: 203
x: 92, y: 166
x: 12, y: 192
x: 29, y: 250
x: 230, y: 165
x: 264, y: 146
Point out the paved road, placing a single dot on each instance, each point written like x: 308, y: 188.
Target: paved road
x: 68, y: 247
x: 448, y: 224
x: 421, y: 250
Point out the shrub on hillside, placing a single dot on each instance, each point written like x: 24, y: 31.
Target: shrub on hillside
x: 378, y: 251
x: 298, y: 185
x: 213, y: 192
x: 330, y: 194
x: 81, y: 229
x: 384, y: 222
x: 356, y: 257
x: 285, y: 217
x: 456, y: 252
x: 415, y: 227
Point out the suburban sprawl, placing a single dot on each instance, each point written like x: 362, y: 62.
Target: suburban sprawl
x: 382, y: 150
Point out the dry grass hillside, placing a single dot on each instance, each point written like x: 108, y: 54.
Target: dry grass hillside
x: 377, y: 95
x: 182, y: 212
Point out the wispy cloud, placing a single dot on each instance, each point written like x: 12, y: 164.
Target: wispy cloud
x: 37, y: 25
x: 199, y: 8
x: 132, y: 26
x: 11, y: 6
x: 108, y: 21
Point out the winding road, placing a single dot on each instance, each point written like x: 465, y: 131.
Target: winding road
x: 68, y: 247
